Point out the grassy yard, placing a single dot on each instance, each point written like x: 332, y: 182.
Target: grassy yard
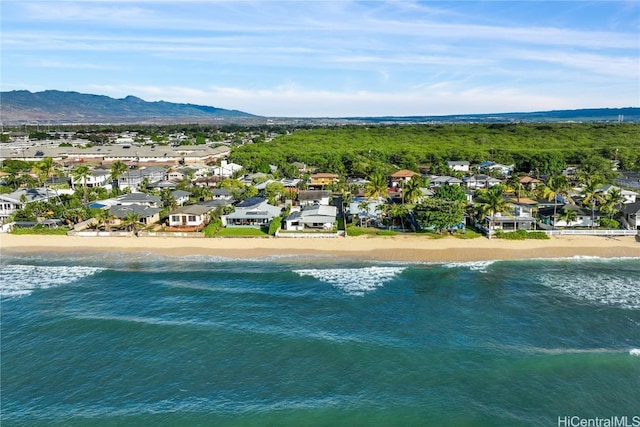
x: 241, y: 232
x: 60, y: 231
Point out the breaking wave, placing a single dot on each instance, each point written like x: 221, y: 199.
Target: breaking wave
x: 354, y: 281
x: 607, y: 289
x: 21, y: 280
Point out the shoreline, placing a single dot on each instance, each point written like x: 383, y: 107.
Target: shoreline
x: 392, y: 248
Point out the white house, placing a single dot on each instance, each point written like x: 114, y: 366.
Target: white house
x: 458, y: 165
x: 314, y: 197
x: 319, y: 217
x: 475, y: 182
x: 11, y: 202
x: 628, y: 195
x: 253, y: 212
x: 505, y: 170
x: 190, y: 216
x: 96, y: 178
x: 226, y: 169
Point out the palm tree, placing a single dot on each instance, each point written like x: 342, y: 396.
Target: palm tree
x: 557, y: 186
x: 514, y: 183
x: 131, y: 222
x: 398, y: 212
x: 612, y: 202
x: 569, y: 215
x: 363, y: 206
x: 104, y: 217
x: 44, y: 170
x: 491, y: 201
x: 81, y: 173
x: 411, y: 190
x: 117, y: 168
x: 592, y: 195
x: 376, y: 187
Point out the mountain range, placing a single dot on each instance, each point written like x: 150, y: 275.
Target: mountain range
x: 53, y: 106
x: 22, y: 106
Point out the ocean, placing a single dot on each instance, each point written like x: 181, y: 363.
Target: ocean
x: 91, y: 339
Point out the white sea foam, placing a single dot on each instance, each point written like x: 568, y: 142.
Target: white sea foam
x: 634, y: 352
x: 602, y: 288
x: 21, y: 280
x: 354, y: 281
x: 479, y: 266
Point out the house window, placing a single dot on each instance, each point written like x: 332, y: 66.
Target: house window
x: 192, y: 218
x: 175, y: 218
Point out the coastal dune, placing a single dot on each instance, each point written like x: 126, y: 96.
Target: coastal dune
x: 392, y: 248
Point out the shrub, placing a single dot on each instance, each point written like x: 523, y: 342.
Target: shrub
x: 521, y: 235
x: 275, y: 225
x: 609, y: 223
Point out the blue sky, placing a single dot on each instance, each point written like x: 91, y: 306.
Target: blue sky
x: 331, y: 58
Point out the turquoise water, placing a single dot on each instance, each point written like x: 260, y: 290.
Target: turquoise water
x: 147, y: 340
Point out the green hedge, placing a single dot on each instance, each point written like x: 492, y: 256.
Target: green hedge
x: 521, y: 235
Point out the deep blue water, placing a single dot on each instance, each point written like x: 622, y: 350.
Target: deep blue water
x: 146, y: 340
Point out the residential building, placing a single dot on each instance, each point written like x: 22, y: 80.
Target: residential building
x: 253, y: 212
x: 322, y: 180
x: 192, y: 216
x: 459, y: 165
x: 318, y: 217
x: 11, y: 202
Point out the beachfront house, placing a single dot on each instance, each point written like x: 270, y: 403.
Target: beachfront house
x: 11, y: 202
x: 192, y: 217
x: 583, y: 217
x: 318, y: 217
x: 147, y: 215
x: 631, y: 215
x: 254, y: 212
x: 521, y: 215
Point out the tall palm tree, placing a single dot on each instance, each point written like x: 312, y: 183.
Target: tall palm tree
x: 591, y: 195
x: 569, y: 215
x: 376, y: 187
x: 398, y: 212
x: 363, y: 206
x: 411, y: 190
x: 557, y: 186
x: 117, y: 168
x: 131, y: 221
x: 612, y: 202
x: 492, y: 202
x: 81, y: 173
x: 44, y: 169
x: 104, y: 217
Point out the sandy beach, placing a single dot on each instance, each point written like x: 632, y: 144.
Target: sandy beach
x: 395, y: 248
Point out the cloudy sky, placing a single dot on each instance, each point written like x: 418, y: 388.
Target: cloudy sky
x: 331, y: 58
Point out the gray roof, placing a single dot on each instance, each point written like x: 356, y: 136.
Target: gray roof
x: 180, y: 193
x: 139, y: 197
x: 31, y: 195
x: 122, y: 211
x: 192, y: 210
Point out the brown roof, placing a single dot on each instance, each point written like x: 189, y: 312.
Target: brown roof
x: 403, y: 173
x: 529, y: 180
x: 325, y: 175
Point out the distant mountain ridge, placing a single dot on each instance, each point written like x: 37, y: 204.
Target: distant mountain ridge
x: 53, y: 106
x: 22, y: 106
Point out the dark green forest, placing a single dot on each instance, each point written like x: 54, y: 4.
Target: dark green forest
x: 544, y: 149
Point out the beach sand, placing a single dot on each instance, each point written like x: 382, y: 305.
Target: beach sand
x: 392, y: 248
